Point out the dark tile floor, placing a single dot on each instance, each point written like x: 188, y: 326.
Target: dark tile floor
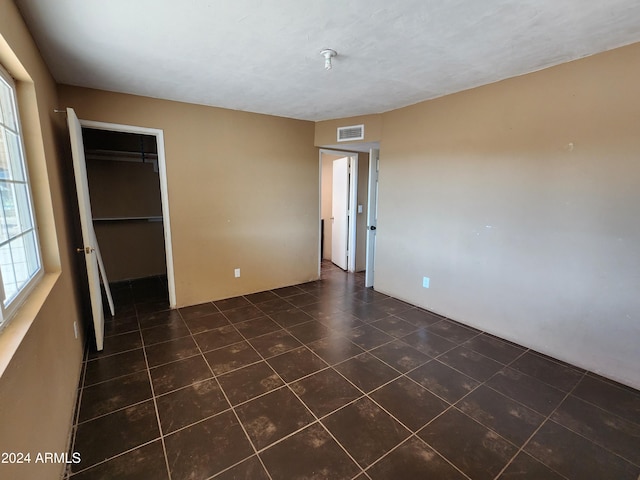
x: 331, y: 380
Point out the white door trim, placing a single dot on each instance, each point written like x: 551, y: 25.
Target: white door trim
x: 353, y: 198
x: 372, y: 215
x: 164, y: 190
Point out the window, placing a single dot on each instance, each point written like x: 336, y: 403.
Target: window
x: 20, y: 263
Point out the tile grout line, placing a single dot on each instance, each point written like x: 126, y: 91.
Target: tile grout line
x: 118, y: 455
x: 285, y: 384
x: 367, y: 395
x: 76, y: 412
x: 453, y: 406
x: 604, y: 447
x: 527, y: 406
x: 344, y: 309
x: 101, y: 356
x: 463, y: 343
x: 85, y: 362
x: 155, y: 405
x: 415, y: 435
x: 102, y: 415
x: 544, y: 422
x: 360, y: 397
x: 364, y: 394
x: 255, y: 451
x: 603, y: 409
x: 99, y: 416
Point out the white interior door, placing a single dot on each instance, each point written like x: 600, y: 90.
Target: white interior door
x: 339, y: 212
x: 372, y: 214
x: 86, y: 223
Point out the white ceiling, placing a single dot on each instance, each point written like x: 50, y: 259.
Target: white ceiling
x: 263, y: 56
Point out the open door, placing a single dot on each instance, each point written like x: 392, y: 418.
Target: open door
x: 90, y: 247
x: 339, y: 212
x: 372, y: 214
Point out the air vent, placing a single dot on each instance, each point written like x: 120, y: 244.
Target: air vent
x: 354, y: 132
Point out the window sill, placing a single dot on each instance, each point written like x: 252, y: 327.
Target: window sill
x: 11, y: 336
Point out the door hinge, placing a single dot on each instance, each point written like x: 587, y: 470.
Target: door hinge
x: 87, y: 250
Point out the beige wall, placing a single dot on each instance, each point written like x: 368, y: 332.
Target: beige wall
x: 38, y: 386
x: 130, y: 249
x: 520, y: 201
x: 123, y: 189
x: 241, y: 191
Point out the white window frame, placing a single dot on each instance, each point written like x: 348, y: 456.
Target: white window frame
x: 8, y: 311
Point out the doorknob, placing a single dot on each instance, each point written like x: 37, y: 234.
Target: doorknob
x: 372, y: 227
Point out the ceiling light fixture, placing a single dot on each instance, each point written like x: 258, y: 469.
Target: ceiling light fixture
x: 328, y: 54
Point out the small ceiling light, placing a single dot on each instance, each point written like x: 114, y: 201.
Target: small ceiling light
x: 328, y: 54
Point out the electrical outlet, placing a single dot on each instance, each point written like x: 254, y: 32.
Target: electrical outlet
x: 425, y: 282
x: 236, y: 272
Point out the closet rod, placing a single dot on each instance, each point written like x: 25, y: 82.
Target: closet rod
x: 156, y: 218
x: 134, y: 157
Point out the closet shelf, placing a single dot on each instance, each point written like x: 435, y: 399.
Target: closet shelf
x: 120, y: 155
x: 155, y: 218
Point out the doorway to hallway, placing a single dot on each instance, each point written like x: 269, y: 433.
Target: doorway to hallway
x: 348, y: 187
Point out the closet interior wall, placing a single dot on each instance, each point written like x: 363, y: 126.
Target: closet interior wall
x: 124, y: 187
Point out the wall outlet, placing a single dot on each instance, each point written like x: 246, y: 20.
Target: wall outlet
x: 75, y: 328
x: 425, y: 282
x: 236, y: 272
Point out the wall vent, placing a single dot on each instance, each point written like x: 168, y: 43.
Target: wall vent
x: 354, y: 132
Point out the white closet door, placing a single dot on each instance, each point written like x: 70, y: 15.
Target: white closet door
x: 86, y: 223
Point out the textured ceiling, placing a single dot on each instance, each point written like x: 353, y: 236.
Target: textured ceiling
x: 263, y: 56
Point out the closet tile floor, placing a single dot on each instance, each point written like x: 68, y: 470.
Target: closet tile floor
x: 329, y: 380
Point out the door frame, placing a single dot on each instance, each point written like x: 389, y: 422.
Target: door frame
x: 164, y: 190
x: 353, y: 198
x: 372, y: 215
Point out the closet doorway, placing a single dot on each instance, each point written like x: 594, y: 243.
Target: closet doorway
x: 127, y: 182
